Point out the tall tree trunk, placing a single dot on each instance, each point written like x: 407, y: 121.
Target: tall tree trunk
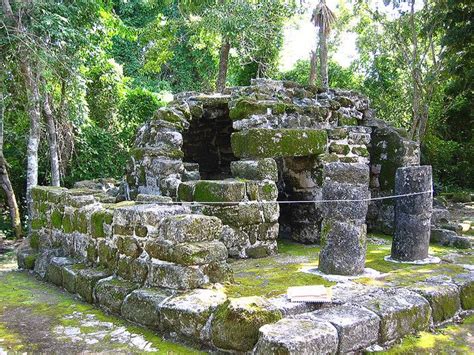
x: 5, y: 180
x: 52, y: 141
x: 313, y: 68
x: 323, y: 58
x: 415, y: 77
x: 223, y: 64
x: 34, y: 110
x: 34, y: 113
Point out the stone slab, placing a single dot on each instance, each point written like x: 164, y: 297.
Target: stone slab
x: 109, y: 293
x: 143, y: 306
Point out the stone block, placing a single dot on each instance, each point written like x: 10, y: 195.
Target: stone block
x: 107, y: 253
x: 444, y: 299
x: 465, y: 282
x: 270, y: 143
x: 70, y: 275
x: 449, y: 238
x: 343, y: 247
x: 187, y: 228
x: 297, y: 336
x: 218, y: 272
x: 414, y: 179
x: 260, y: 169
x: 342, y: 210
x: 143, y: 306
x: 86, y: 281
x: 236, y: 323
x: 219, y: 191
x: 109, y: 293
x: 358, y: 328
x: 54, y: 271
x: 288, y: 308
x: 261, y: 190
x: 197, y: 253
x: 174, y: 276
x: 412, y: 236
x: 135, y: 270
x: 261, y: 249
x: 188, y: 314
x: 186, y: 191
x: 237, y: 215
x: 129, y: 246
x: 401, y: 312
x: 346, y: 173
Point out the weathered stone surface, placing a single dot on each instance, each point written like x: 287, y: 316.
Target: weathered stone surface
x: 236, y: 323
x: 412, y: 213
x: 70, y: 275
x: 347, y: 173
x: 465, y: 282
x: 189, y: 314
x: 345, y: 210
x: 110, y: 293
x: 449, y: 238
x: 143, y: 306
x: 343, y: 248
x: 357, y: 327
x: 174, y: 276
x: 26, y: 257
x: 261, y: 190
x: 86, y: 281
x: 187, y: 228
x: 54, y: 271
x: 260, y: 169
x: 135, y: 270
x: 297, y: 336
x: 288, y: 308
x: 238, y: 215
x: 444, y: 299
x: 197, y: 253
x: 219, y: 191
x: 401, y: 312
x: 269, y: 143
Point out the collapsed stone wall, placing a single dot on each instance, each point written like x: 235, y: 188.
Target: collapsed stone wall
x: 147, y: 244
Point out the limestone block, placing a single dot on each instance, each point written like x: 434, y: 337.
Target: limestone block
x: 343, y: 247
x: 86, y: 281
x: 297, y: 336
x: 197, y: 253
x: 265, y: 190
x: 236, y: 323
x: 449, y: 238
x: 129, y: 246
x: 444, y: 299
x: 108, y: 254
x: 54, y: 272
x: 135, y: 270
x: 186, y: 228
x: 412, y: 236
x: 260, y: 169
x: 288, y: 308
x: 218, y: 272
x: 143, y: 306
x: 357, y: 327
x: 219, y: 191
x: 269, y: 143
x: 261, y: 249
x: 175, y: 276
x: 186, y: 191
x: 70, y: 275
x: 351, y: 210
x: 346, y: 173
x: 109, y: 293
x: 188, y: 314
x: 465, y: 282
x: 240, y: 215
x: 401, y: 312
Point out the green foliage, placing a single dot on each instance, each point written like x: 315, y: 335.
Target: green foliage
x: 99, y: 154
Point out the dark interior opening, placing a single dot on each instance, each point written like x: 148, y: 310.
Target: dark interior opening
x: 207, y: 142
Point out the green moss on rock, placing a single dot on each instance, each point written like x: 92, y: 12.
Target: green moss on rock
x: 269, y: 143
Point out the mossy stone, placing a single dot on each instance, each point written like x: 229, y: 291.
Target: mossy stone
x: 98, y: 218
x: 68, y: 223
x: 347, y: 121
x: 80, y: 222
x: 338, y: 148
x: 30, y: 261
x: 38, y: 223
x: 236, y: 322
x: 269, y: 143
x: 56, y: 219
x: 186, y: 191
x: 110, y: 294
x: 219, y: 191
x: 86, y: 281
x: 245, y: 107
x: 360, y: 151
x: 34, y: 240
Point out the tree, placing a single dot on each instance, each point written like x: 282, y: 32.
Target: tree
x: 52, y: 140
x: 323, y: 18
x: 5, y: 178
x: 313, y: 68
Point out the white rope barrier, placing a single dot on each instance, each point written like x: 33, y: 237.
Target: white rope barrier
x: 287, y: 202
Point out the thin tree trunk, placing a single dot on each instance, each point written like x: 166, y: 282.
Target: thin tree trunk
x: 223, y: 64
x: 34, y: 112
x: 323, y: 58
x: 52, y: 141
x: 313, y: 68
x: 5, y: 180
x: 416, y: 99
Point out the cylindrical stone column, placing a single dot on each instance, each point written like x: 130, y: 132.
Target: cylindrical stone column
x: 343, y: 232
x: 412, y: 213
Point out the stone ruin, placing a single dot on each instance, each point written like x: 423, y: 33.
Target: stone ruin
x: 212, y: 177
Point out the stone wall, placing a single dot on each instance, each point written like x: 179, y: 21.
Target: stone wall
x: 148, y: 244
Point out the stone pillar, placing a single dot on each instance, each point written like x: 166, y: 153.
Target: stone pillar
x: 343, y: 232
x: 412, y: 213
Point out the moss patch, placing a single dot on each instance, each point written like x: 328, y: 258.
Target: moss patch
x: 50, y: 311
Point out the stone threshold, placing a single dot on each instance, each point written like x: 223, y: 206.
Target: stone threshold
x: 360, y: 317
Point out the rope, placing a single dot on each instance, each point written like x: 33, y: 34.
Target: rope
x: 290, y: 202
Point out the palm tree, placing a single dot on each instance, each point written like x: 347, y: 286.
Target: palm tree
x: 323, y: 18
